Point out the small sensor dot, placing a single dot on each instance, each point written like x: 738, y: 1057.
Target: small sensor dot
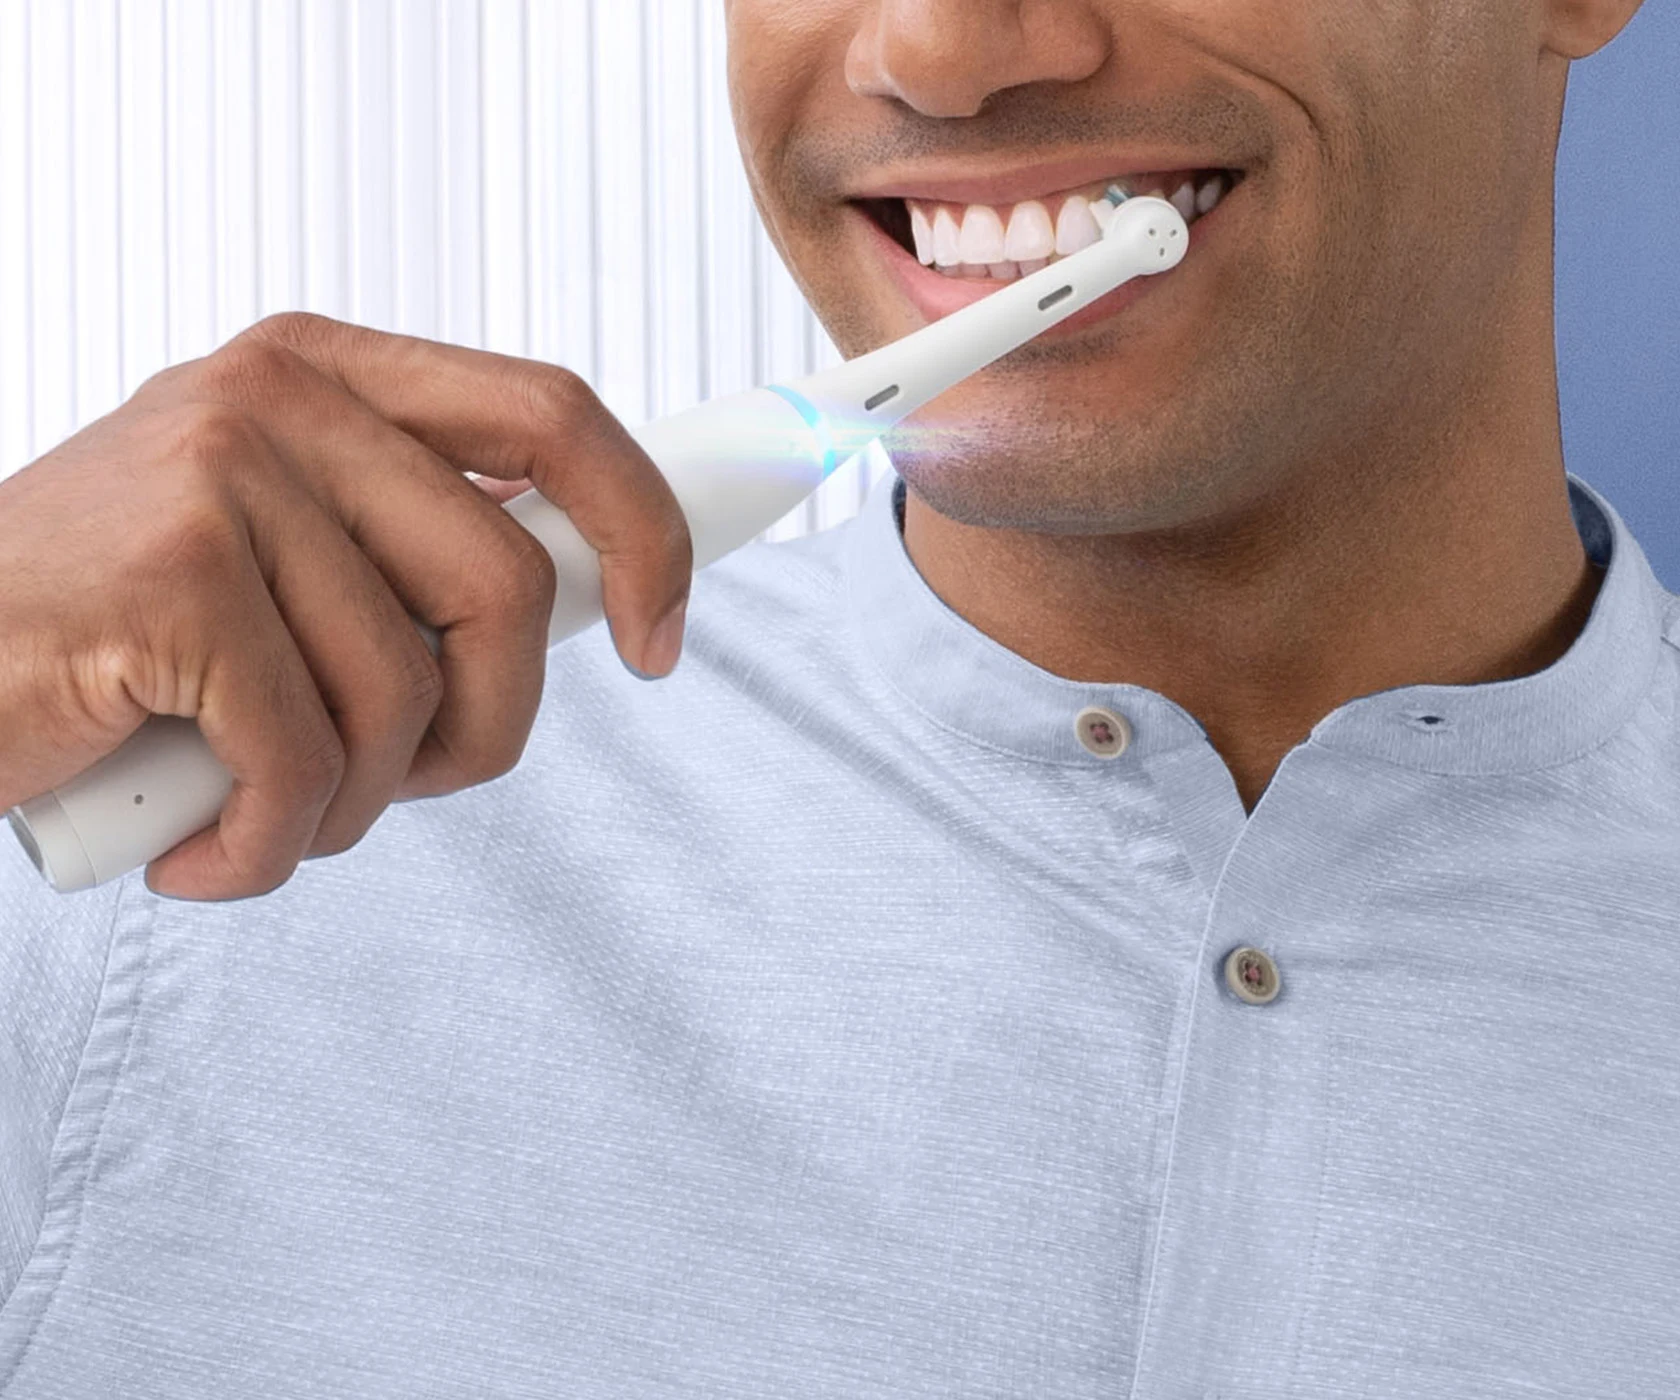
x: 139, y: 797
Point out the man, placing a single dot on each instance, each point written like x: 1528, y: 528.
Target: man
x: 1177, y: 900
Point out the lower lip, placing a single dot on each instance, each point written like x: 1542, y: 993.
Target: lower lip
x: 935, y: 295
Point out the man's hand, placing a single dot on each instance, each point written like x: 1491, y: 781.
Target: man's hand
x: 249, y: 541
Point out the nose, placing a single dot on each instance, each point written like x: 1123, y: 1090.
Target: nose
x: 946, y: 57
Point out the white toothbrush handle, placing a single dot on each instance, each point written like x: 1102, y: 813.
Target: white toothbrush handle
x: 737, y: 465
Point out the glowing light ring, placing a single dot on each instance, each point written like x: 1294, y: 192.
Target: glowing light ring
x: 813, y: 420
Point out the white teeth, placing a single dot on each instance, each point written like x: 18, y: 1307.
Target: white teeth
x: 1031, y: 234
x: 1075, y: 228
x: 972, y: 241
x: 922, y: 231
x: 945, y: 237
x: 982, y: 235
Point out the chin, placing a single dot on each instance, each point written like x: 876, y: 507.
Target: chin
x: 987, y: 480
x: 1066, y: 474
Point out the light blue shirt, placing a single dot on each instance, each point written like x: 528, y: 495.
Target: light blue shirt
x: 835, y: 1018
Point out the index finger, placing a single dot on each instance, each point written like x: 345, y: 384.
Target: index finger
x: 516, y: 419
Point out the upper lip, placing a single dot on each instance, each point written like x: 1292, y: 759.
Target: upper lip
x: 962, y: 184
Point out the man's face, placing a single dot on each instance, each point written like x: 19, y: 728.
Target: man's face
x: 1391, y: 162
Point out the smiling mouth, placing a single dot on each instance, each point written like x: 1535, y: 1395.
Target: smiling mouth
x: 1003, y: 242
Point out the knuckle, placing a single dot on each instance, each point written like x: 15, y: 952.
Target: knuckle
x: 337, y: 842
x: 296, y: 330
x: 491, y: 755
x: 166, y: 384
x: 248, y: 369
x: 405, y: 681
x: 405, y: 698
x: 510, y: 577
x: 275, y: 876
x: 257, y: 868
x: 526, y: 579
x: 656, y: 545
x: 264, y: 877
x: 563, y: 402
x: 676, y: 542
x: 320, y: 765
x: 202, y: 538
x: 503, y: 758
x: 480, y: 752
x: 419, y: 685
x: 559, y: 398
x: 212, y: 437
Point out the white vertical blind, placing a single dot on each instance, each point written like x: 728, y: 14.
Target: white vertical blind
x: 550, y: 178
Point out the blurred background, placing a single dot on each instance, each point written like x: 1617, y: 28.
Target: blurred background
x: 559, y: 179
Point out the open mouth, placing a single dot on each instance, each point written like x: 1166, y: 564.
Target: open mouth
x: 1003, y: 242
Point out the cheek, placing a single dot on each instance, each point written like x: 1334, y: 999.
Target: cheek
x: 779, y: 51
x: 1429, y: 100
x: 1430, y: 161
x: 785, y: 61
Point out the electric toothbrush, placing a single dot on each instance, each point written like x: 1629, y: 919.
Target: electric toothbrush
x: 736, y: 465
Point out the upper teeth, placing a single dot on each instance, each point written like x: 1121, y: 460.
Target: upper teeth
x: 976, y: 239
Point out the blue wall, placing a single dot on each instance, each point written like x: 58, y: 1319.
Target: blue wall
x: 1618, y: 306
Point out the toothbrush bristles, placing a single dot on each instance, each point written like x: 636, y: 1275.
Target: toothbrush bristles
x: 1117, y: 195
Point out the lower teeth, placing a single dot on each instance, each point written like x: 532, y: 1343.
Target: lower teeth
x: 992, y: 272
x: 982, y: 272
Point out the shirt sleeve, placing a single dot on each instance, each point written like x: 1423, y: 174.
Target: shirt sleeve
x: 53, y: 951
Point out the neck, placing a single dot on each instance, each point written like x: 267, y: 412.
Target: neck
x: 1448, y: 561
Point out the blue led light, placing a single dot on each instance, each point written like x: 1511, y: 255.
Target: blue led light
x: 814, y: 420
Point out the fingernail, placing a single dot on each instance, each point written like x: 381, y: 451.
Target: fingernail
x: 665, y: 641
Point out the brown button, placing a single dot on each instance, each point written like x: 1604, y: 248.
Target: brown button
x: 1103, y: 732
x: 1251, y: 975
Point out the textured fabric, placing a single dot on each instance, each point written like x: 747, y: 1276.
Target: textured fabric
x: 826, y: 1020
